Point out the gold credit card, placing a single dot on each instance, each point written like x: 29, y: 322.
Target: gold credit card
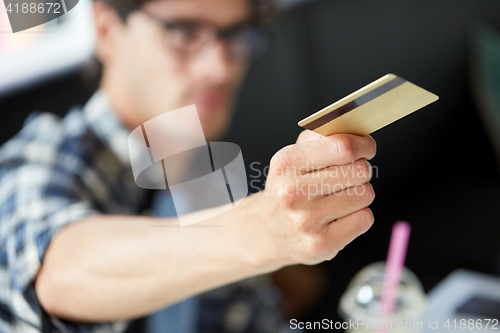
x: 370, y: 108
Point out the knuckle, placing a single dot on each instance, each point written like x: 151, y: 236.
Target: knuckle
x: 344, y: 147
x: 283, y: 159
x: 288, y: 195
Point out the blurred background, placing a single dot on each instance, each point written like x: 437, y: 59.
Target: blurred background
x: 436, y: 168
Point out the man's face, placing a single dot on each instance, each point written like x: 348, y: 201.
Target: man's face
x: 147, y: 75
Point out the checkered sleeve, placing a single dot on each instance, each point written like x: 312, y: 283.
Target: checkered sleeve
x: 36, y: 201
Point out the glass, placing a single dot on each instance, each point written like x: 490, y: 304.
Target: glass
x: 361, y: 301
x: 243, y: 41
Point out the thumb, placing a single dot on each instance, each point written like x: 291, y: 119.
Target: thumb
x: 307, y: 135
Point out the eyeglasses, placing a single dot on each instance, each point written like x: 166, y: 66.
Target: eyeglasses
x: 243, y: 41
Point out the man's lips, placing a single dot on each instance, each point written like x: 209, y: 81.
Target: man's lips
x: 209, y: 102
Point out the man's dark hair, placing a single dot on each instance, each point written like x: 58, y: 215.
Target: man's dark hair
x: 262, y: 13
x: 263, y: 10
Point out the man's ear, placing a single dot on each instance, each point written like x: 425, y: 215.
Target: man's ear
x: 107, y: 25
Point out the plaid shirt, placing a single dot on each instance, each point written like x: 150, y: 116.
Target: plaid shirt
x: 52, y: 173
x: 59, y: 171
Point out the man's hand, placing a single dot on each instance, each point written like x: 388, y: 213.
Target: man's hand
x: 316, y: 196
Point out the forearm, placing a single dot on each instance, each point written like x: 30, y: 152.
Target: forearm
x: 113, y: 267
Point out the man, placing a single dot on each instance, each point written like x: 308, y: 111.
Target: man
x: 72, y: 242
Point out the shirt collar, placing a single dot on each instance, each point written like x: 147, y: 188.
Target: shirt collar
x: 107, y: 126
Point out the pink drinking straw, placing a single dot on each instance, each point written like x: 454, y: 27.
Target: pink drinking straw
x: 394, y: 266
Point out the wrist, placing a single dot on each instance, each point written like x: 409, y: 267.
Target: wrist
x: 260, y: 249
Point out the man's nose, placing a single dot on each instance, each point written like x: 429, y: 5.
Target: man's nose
x: 213, y: 65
